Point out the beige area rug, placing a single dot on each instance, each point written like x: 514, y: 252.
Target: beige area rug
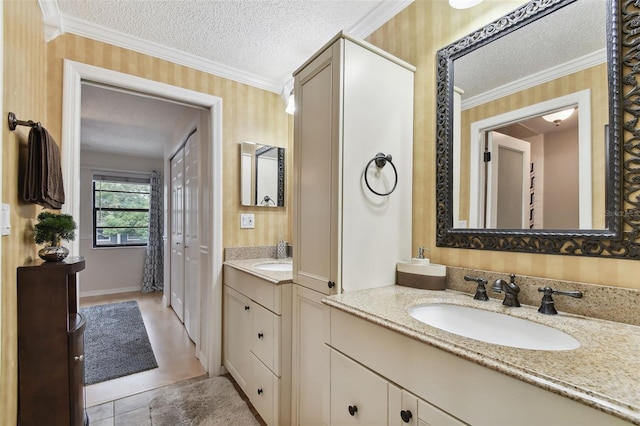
x: 209, y: 402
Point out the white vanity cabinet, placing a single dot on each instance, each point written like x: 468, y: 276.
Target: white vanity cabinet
x: 257, y: 342
x: 449, y: 390
x: 353, y: 101
x: 359, y: 396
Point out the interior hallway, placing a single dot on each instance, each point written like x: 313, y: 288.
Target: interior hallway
x: 174, y: 351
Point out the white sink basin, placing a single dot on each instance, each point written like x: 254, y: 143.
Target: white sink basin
x: 493, y: 327
x: 275, y: 266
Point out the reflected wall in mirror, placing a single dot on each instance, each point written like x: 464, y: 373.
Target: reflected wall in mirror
x: 262, y: 174
x: 571, y: 193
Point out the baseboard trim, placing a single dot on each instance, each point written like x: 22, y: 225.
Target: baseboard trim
x: 109, y: 291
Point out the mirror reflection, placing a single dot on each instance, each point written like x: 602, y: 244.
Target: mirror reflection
x: 262, y: 175
x: 512, y: 167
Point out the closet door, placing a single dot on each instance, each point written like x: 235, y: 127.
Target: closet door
x: 191, y: 237
x: 177, y: 234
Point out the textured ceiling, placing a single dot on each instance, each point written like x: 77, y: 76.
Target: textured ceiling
x: 571, y: 33
x: 258, y: 42
x: 267, y: 39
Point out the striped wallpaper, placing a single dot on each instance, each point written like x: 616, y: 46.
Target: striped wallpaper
x: 415, y: 35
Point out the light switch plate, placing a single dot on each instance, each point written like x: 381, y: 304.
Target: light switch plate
x: 247, y: 220
x: 5, y: 221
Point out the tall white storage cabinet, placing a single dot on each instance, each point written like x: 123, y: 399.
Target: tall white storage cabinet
x: 353, y: 101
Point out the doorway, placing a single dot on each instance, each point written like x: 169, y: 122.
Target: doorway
x: 210, y: 247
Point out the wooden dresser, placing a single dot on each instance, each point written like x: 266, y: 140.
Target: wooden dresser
x: 50, y: 344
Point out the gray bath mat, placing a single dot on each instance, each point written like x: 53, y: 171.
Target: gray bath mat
x: 116, y: 343
x: 210, y: 402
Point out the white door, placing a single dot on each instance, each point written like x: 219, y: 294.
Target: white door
x: 177, y: 234
x: 191, y: 237
x: 508, y: 193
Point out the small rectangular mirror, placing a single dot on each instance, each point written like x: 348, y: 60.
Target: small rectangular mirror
x: 261, y: 175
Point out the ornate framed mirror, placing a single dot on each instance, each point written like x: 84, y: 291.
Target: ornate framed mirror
x: 567, y: 185
x: 262, y: 171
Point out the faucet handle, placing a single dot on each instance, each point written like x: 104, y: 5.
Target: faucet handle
x: 548, y: 305
x: 481, y: 290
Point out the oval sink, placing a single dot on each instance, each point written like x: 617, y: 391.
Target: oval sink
x: 493, y: 327
x: 275, y: 266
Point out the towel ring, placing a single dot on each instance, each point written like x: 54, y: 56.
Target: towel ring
x: 381, y: 160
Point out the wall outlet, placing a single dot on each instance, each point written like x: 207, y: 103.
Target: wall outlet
x: 247, y: 220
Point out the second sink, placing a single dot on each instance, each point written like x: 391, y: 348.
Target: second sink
x: 493, y: 327
x: 275, y: 266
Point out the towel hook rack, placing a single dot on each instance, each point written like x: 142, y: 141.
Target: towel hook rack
x: 14, y: 122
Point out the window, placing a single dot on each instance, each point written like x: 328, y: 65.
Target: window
x: 120, y: 210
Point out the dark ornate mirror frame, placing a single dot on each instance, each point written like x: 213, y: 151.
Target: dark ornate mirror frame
x: 621, y: 238
x: 280, y: 152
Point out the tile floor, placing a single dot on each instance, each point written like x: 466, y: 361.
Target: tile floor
x: 125, y: 401
x: 131, y: 410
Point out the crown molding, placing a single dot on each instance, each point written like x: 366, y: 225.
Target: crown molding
x: 51, y: 19
x: 56, y: 24
x: 116, y: 38
x: 377, y: 17
x: 550, y: 74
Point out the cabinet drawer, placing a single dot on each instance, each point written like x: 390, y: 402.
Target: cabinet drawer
x: 264, y: 392
x: 358, y: 396
x: 265, y: 338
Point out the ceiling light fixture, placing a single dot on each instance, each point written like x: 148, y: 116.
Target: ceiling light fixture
x: 559, y: 116
x: 463, y: 4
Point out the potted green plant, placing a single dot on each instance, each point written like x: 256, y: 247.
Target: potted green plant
x: 51, y: 229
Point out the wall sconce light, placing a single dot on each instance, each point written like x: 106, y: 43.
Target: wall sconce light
x: 287, y: 97
x: 291, y: 104
x: 558, y: 116
x: 463, y: 4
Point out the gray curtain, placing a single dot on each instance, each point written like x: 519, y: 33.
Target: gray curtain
x: 153, y: 263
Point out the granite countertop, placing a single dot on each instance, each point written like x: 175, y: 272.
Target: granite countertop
x: 249, y: 266
x: 603, y: 372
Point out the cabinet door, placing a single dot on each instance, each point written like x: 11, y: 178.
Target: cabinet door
x: 76, y: 370
x: 358, y: 395
x: 316, y: 137
x: 403, y: 407
x: 237, y: 336
x: 310, y: 363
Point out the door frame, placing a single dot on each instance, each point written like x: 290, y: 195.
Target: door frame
x: 209, y: 354
x: 583, y: 100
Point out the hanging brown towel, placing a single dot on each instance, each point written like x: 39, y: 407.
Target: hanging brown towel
x: 43, y: 183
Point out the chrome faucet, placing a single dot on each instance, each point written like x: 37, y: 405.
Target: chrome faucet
x: 511, y: 290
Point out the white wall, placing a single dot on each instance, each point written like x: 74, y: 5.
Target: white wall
x: 108, y: 270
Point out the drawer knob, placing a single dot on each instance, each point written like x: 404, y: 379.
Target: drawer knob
x: 259, y: 391
x: 353, y: 410
x: 406, y: 416
x: 331, y: 284
x: 260, y: 335
x: 78, y: 358
x: 246, y: 308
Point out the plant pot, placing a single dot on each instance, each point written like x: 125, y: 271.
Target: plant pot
x: 53, y: 253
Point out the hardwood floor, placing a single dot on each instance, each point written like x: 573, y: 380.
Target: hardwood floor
x: 173, y: 350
